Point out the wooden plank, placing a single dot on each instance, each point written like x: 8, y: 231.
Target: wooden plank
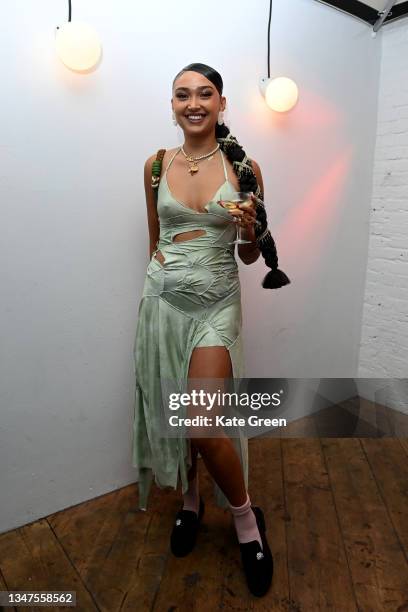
x: 331, y: 504
x: 304, y: 427
x: 376, y: 562
x: 193, y: 582
x: 154, y: 552
x: 206, y: 573
x: 32, y: 558
x: 104, y: 540
x: 267, y: 491
x: 3, y: 587
x: 404, y: 444
x: 231, y: 583
x: 389, y: 466
x: 318, y: 573
x: 235, y: 593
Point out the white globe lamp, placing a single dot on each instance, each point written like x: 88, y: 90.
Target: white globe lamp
x: 78, y: 46
x: 281, y: 93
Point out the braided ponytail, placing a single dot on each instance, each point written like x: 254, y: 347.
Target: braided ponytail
x: 248, y: 182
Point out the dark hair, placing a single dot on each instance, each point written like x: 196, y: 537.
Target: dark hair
x: 248, y: 182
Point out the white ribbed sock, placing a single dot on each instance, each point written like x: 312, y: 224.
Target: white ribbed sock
x: 245, y: 523
x: 192, y: 496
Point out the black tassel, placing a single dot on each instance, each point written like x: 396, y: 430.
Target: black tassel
x: 275, y: 279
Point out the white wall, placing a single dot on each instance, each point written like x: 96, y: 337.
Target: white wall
x: 74, y: 241
x: 318, y: 166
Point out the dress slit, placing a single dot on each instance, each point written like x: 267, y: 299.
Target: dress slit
x: 241, y: 443
x: 148, y: 447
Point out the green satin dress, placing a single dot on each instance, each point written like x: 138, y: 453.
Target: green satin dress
x: 193, y: 299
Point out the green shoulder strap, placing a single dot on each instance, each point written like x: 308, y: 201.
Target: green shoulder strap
x: 156, y: 173
x: 156, y: 170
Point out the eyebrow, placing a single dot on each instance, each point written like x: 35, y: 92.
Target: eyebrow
x: 187, y: 88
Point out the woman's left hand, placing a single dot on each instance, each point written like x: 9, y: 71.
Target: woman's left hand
x: 245, y: 215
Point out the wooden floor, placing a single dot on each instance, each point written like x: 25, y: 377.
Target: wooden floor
x: 337, y: 519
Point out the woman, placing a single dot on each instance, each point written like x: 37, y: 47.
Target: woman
x: 189, y: 323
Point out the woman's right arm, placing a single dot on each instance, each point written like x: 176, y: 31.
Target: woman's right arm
x: 152, y: 217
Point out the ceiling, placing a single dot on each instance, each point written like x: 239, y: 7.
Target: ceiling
x: 368, y: 10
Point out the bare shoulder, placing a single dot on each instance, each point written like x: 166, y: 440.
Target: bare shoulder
x: 256, y: 167
x: 149, y: 161
x: 258, y: 173
x: 148, y: 165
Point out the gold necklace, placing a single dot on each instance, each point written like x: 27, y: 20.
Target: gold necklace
x: 192, y: 160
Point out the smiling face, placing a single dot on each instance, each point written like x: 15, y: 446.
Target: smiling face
x: 193, y: 96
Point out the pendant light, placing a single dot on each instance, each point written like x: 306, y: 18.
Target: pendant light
x: 77, y: 45
x: 280, y: 93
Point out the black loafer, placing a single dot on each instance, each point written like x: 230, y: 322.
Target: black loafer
x: 257, y: 563
x: 184, y: 534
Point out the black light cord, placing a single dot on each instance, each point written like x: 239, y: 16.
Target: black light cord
x: 269, y: 35
x: 69, y: 12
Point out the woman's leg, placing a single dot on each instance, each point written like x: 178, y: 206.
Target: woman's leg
x: 191, y: 498
x: 224, y: 465
x: 222, y: 462
x: 219, y: 454
x: 192, y: 472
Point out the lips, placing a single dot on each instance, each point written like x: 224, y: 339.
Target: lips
x: 196, y: 118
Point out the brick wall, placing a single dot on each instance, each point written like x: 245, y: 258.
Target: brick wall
x: 384, y: 338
